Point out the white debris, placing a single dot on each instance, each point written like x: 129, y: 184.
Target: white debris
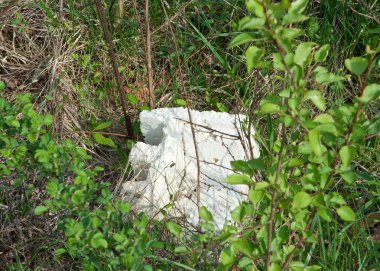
x: 165, y: 165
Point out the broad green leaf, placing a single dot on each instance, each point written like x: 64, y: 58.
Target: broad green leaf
x: 257, y: 164
x: 275, y: 267
x: 101, y: 139
x: 261, y: 185
x: 268, y: 108
x: 346, y: 213
x: 243, y: 245
x: 356, y: 65
x: 98, y: 241
x: 312, y: 268
x: 277, y: 62
x: 305, y: 148
x: 39, y: 210
x: 301, y: 200
x: 315, y: 142
x: 205, y: 214
x: 255, y: 195
x: 103, y: 125
x: 253, y: 57
x: 324, y: 214
x: 371, y: 92
x: 291, y: 18
x: 347, y: 154
x: 291, y: 33
x: 349, y: 177
x: 302, y: 52
x: 317, y: 99
x: 251, y: 23
x: 255, y: 7
x: 298, y: 6
x: 238, y: 213
x: 52, y: 187
x: 297, y: 266
x: 322, y: 53
x: 174, y: 228
x: 2, y: 85
x: 241, y: 39
x: 324, y: 118
x: 242, y: 166
x: 43, y: 156
x: 239, y: 179
x: 77, y: 196
x: 227, y: 256
x: 221, y: 107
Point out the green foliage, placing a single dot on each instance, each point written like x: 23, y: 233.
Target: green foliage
x: 99, y: 231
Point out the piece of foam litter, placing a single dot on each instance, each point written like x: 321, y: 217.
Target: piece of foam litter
x: 165, y: 166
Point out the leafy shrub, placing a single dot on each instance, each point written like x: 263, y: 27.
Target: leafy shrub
x: 99, y: 230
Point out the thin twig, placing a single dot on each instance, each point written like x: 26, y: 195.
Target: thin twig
x: 183, y: 88
x: 138, y: 18
x: 171, y: 19
x: 107, y: 35
x: 104, y: 133
x: 149, y: 57
x: 274, y: 197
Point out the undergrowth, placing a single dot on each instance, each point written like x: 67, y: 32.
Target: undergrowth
x: 64, y: 148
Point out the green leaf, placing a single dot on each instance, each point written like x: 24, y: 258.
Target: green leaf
x: 244, y: 246
x: 2, y: 85
x: 317, y: 99
x: 261, y: 185
x: 347, y: 154
x: 241, y: 39
x: 221, y: 107
x: 239, y: 179
x: 324, y: 118
x: 257, y: 164
x: 371, y: 92
x: 297, y: 266
x: 180, y: 102
x: 324, y: 213
x: 227, y: 256
x: 39, y: 210
x: 77, y: 196
x: 181, y: 250
x: 291, y: 33
x: 251, y: 23
x: 356, y: 65
x: 322, y: 53
x: 301, y: 200
x: 255, y: 7
x: 349, y: 177
x: 291, y: 18
x: 97, y: 241
x: 298, y: 6
x: 238, y: 213
x: 302, y: 52
x: 255, y: 195
x: 253, y: 57
x: 241, y: 166
x: 268, y: 108
x: 205, y: 214
x: 103, y: 125
x: 174, y: 228
x: 52, y: 187
x: 346, y: 213
x: 275, y: 267
x: 43, y: 156
x: 99, y: 138
x: 132, y: 98
x: 315, y: 142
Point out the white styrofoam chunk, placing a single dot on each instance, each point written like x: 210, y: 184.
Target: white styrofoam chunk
x: 166, y: 164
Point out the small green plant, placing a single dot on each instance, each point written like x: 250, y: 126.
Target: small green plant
x: 99, y: 230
